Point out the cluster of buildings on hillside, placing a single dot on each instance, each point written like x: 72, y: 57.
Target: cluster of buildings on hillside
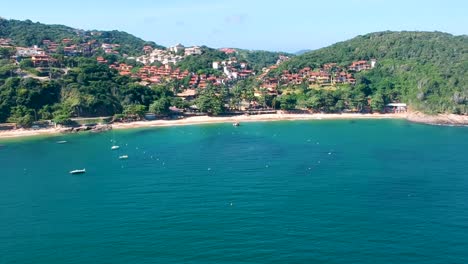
x: 151, y: 74
x: 110, y: 48
x: 172, y: 55
x: 233, y: 69
x: 37, y: 55
x: 328, y: 74
x: 42, y: 56
x: 165, y: 73
x: 229, y: 70
x: 163, y: 56
x: 69, y: 47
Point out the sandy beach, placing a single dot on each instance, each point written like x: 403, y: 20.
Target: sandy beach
x: 413, y: 117
x: 252, y: 118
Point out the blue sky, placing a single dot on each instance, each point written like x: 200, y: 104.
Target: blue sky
x: 270, y: 25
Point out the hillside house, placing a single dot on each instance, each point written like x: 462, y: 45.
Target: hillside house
x: 101, y: 60
x: 228, y: 51
x: 41, y: 60
x: 177, y: 48
x: 359, y: 66
x: 195, y: 50
x: 29, y: 52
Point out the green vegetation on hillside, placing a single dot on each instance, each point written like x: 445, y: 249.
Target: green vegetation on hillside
x: 27, y: 33
x: 427, y: 70
x: 88, y: 90
x: 129, y: 44
x: 258, y: 59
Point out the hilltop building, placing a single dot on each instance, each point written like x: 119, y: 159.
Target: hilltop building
x: 177, y: 48
x: 195, y: 50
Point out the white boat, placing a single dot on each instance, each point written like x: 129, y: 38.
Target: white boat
x: 236, y: 124
x: 61, y: 142
x: 115, y: 147
x: 78, y: 171
x: 123, y: 157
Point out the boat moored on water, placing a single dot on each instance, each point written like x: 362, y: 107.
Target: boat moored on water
x: 61, y: 142
x: 78, y: 171
x: 115, y: 147
x: 123, y: 157
x: 236, y: 124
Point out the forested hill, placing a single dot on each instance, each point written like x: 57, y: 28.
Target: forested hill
x: 260, y: 58
x: 428, y: 70
x: 423, y: 47
x: 27, y: 33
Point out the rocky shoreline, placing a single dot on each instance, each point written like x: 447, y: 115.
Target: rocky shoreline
x: 93, y: 128
x: 441, y: 119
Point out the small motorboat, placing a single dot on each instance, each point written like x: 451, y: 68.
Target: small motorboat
x: 78, y: 171
x: 61, y: 142
x: 236, y: 124
x: 115, y: 147
x: 123, y: 157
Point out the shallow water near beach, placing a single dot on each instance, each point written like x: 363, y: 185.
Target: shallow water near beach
x: 342, y: 191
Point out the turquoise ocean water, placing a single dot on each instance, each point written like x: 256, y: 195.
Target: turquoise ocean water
x: 366, y: 191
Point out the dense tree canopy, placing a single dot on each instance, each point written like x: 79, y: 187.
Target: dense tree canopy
x: 203, y: 62
x: 88, y: 90
x: 28, y: 33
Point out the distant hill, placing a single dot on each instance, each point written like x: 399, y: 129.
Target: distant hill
x: 28, y: 33
x: 259, y: 59
x: 428, y: 70
x: 302, y: 51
